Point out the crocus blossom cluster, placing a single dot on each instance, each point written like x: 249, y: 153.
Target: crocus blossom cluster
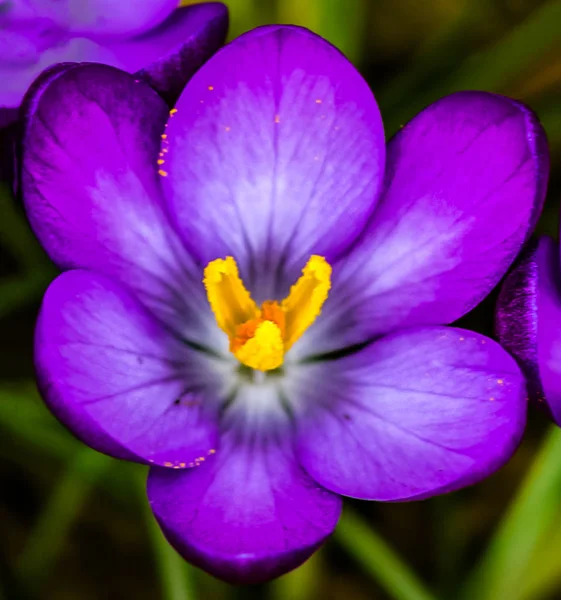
x: 256, y: 288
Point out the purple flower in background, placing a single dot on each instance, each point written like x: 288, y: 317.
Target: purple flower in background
x: 528, y: 321
x: 256, y: 288
x: 131, y: 35
x: 163, y: 44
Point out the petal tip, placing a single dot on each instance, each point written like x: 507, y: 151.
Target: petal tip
x: 241, y: 569
x: 418, y: 413
x: 248, y: 515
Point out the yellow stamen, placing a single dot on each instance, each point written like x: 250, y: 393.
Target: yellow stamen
x: 264, y: 350
x: 306, y: 298
x: 227, y: 296
x: 259, y: 337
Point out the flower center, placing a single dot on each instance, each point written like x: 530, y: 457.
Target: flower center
x: 260, y: 337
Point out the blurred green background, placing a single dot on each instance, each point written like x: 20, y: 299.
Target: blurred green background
x: 75, y: 525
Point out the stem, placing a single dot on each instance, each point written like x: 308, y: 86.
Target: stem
x: 501, y: 571
x: 300, y: 584
x: 378, y: 559
x: 174, y: 572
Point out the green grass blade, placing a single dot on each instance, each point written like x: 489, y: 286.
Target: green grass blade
x: 495, y: 67
x: 543, y: 574
x: 20, y: 291
x: 300, y: 584
x: 15, y: 233
x: 503, y: 568
x: 23, y: 415
x: 378, y: 559
x: 175, y: 573
x: 62, y: 508
x: 490, y: 69
x: 344, y: 24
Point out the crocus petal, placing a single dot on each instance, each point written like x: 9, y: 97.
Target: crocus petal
x: 117, y: 379
x: 14, y: 125
x: 465, y: 184
x: 169, y: 55
x: 417, y: 413
x: 247, y: 513
x: 528, y: 321
x: 104, y: 18
x: 276, y: 152
x: 92, y: 193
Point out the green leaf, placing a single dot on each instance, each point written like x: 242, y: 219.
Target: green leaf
x: 378, y: 559
x: 543, y: 574
x: 19, y: 291
x: 16, y: 235
x: 175, y: 573
x: 344, y: 24
x: 550, y: 118
x: 62, y: 508
x: 490, y: 69
x: 31, y: 427
x: 302, y: 583
x: 23, y: 414
x: 435, y: 54
x: 493, y: 68
x: 504, y: 566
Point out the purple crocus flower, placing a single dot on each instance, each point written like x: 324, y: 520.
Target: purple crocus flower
x: 255, y: 289
x: 528, y: 321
